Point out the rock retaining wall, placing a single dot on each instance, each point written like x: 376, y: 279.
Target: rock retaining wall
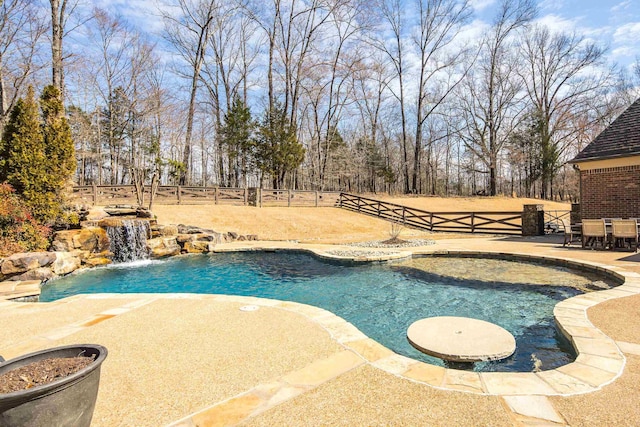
x: 89, y: 247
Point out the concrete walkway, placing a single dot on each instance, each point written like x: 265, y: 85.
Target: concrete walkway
x: 199, y: 360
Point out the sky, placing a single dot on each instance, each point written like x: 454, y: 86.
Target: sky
x: 616, y: 23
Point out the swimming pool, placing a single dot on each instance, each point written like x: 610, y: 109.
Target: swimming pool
x: 380, y: 299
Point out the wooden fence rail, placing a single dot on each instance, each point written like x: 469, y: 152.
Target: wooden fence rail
x: 553, y: 220
x: 473, y: 222
x: 169, y: 195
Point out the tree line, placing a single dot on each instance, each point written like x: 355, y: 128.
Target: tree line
x: 403, y: 96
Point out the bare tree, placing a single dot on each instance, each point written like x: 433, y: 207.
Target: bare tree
x: 490, y: 101
x: 21, y: 27
x: 189, y: 34
x: 225, y: 75
x: 440, y: 22
x: 561, y: 78
x: 61, y: 11
x: 390, y: 16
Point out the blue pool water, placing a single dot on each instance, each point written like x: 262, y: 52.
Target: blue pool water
x: 381, y: 300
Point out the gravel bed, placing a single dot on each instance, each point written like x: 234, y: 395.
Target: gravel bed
x: 356, y: 253
x: 406, y: 244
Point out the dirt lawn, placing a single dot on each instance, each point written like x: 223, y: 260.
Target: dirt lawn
x: 330, y: 225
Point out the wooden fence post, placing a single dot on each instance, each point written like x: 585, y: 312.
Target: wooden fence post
x: 288, y: 198
x: 178, y: 193
x: 473, y: 222
x: 316, y: 195
x: 215, y: 195
x: 95, y: 194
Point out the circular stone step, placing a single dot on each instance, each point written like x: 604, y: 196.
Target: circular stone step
x: 461, y: 339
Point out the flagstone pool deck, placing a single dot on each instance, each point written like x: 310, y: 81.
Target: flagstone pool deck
x: 199, y: 360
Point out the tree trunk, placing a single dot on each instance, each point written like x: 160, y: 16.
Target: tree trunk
x: 57, y: 33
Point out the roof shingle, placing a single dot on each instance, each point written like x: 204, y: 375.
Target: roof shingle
x: 620, y: 139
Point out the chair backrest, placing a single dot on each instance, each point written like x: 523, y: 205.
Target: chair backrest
x: 566, y: 225
x: 594, y: 228
x: 624, y: 228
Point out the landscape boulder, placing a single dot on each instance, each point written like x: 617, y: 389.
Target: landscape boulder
x: 22, y: 262
x: 143, y: 212
x: 96, y: 261
x: 65, y: 263
x: 168, y: 230
x: 184, y: 238
x: 161, y: 247
x: 40, y: 273
x: 90, y: 239
x: 191, y: 229
x: 110, y: 222
x: 198, y: 247
x: 96, y: 213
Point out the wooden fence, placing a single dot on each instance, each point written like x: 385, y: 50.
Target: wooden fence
x: 473, y: 222
x: 169, y: 195
x: 553, y: 220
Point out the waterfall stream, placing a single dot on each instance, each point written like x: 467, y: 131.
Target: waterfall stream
x: 129, y: 240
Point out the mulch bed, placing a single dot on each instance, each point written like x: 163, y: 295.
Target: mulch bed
x: 41, y: 372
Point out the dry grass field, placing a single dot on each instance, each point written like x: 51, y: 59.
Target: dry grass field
x: 329, y: 225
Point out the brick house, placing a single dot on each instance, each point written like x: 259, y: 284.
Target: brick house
x: 610, y: 169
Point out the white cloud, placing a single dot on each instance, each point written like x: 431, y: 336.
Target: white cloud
x: 622, y: 52
x: 480, y: 5
x: 627, y: 33
x: 620, y: 7
x: 557, y: 23
x: 551, y: 5
x: 473, y: 31
x: 625, y: 42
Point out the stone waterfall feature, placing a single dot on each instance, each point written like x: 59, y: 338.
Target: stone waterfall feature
x: 128, y: 239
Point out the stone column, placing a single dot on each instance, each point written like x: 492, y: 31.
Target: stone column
x: 253, y: 197
x: 533, y: 220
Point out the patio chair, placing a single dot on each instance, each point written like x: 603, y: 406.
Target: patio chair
x: 571, y: 234
x: 623, y: 232
x: 594, y: 232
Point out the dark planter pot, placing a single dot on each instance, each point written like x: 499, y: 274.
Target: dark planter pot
x: 68, y: 401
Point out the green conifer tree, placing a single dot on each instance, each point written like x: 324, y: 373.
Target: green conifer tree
x: 37, y: 154
x: 58, y: 143
x: 23, y: 161
x: 277, y: 148
x: 236, y: 135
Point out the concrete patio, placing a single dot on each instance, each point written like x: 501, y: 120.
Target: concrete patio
x: 198, y: 360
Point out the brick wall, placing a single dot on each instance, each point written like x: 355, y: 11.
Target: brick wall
x: 610, y: 192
